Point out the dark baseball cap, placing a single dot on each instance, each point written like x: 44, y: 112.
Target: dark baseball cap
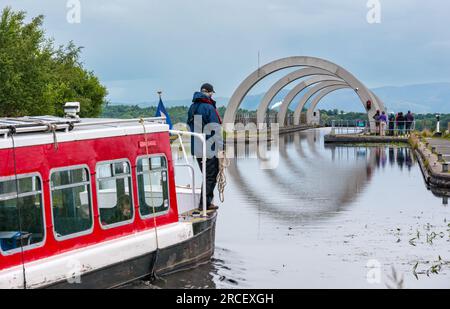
x: 208, y: 87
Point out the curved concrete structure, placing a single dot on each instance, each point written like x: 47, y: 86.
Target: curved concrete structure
x: 309, y: 94
x: 274, y: 66
x: 283, y: 82
x: 319, y: 97
x: 296, y: 90
x: 290, y: 97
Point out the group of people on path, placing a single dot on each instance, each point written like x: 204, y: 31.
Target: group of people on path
x: 394, y: 125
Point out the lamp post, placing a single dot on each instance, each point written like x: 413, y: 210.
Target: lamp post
x: 438, y: 120
x: 438, y: 125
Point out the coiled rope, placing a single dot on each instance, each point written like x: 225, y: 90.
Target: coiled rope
x: 224, y: 162
x: 52, y: 129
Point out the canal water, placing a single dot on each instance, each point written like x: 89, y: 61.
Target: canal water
x: 326, y: 217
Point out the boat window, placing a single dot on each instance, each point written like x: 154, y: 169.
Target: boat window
x: 153, y: 185
x: 71, y: 201
x: 21, y: 213
x: 114, y: 194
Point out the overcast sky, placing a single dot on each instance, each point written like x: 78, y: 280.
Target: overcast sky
x: 139, y: 46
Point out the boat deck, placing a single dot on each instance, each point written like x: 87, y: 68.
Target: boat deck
x: 195, y: 215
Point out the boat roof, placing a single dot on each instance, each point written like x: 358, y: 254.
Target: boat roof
x: 39, y: 130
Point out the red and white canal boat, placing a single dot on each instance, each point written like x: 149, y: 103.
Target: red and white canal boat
x: 92, y: 203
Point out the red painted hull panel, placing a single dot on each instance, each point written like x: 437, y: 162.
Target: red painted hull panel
x: 43, y: 158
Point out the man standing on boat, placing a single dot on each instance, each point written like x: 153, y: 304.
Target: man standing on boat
x: 203, y: 117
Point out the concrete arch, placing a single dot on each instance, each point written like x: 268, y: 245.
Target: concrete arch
x: 323, y: 93
x: 283, y: 82
x: 274, y: 66
x: 319, y: 97
x: 309, y: 94
x: 296, y: 90
x: 379, y: 100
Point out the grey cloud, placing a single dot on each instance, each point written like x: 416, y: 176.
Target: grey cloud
x: 138, y: 47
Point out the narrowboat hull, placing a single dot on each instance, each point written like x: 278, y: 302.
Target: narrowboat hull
x: 184, y: 255
x: 77, y: 187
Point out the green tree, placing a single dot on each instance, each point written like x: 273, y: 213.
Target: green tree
x: 36, y: 78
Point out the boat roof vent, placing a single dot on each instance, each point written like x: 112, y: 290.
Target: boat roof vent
x: 71, y: 109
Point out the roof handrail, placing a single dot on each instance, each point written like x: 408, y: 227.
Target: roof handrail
x: 66, y: 124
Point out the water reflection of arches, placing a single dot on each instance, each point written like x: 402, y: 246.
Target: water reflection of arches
x: 314, y: 200
x: 310, y: 139
x: 312, y: 136
x: 313, y: 191
x: 286, y: 139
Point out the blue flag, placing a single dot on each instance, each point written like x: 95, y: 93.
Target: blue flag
x: 161, y: 112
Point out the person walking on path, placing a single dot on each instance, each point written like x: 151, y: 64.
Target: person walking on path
x: 383, y: 123
x: 400, y: 121
x: 391, y: 124
x: 376, y: 117
x: 409, y: 122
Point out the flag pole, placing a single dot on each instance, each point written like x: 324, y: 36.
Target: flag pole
x: 159, y: 92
